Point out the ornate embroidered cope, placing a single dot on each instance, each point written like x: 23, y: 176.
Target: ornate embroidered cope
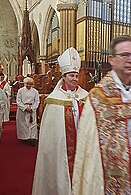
x: 112, y: 114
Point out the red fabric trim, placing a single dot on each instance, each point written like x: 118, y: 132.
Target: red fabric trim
x: 80, y: 107
x: 2, y: 84
x: 31, y: 118
x: 64, y: 87
x: 70, y: 138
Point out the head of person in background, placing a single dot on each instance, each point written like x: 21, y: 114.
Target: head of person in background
x: 28, y: 82
x: 120, y: 57
x: 70, y: 64
x: 2, y: 76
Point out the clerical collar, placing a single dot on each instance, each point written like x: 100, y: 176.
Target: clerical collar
x: 119, y: 83
x: 64, y: 88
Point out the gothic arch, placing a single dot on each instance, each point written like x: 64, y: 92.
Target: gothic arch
x: 18, y: 14
x: 10, y: 31
x: 35, y: 42
x: 51, y: 36
x: 49, y: 16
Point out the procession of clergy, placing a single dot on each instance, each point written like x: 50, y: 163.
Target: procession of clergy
x: 84, y: 143
x: 5, y: 94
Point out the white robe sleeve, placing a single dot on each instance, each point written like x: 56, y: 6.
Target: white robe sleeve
x: 19, y: 101
x: 7, y: 90
x: 36, y: 101
x: 3, y: 98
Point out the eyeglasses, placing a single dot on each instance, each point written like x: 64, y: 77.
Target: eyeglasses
x: 124, y: 55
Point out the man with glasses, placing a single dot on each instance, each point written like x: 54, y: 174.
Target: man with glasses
x: 103, y: 155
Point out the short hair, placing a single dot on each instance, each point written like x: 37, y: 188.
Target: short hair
x: 2, y: 74
x: 117, y: 40
x: 28, y: 80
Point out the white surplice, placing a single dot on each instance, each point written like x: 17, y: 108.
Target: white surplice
x: 3, y: 102
x: 25, y: 128
x: 7, y: 91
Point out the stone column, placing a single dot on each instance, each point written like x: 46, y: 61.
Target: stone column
x: 68, y: 13
x: 42, y: 61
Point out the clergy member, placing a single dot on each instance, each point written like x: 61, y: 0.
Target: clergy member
x: 58, y: 130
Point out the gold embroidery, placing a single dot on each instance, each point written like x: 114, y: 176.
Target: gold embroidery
x: 70, y: 131
x: 97, y: 92
x: 112, y: 115
x: 62, y: 102
x: 58, y: 102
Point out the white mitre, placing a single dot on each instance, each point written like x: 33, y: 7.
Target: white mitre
x: 69, y: 61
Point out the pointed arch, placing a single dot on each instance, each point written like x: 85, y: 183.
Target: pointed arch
x: 35, y: 41
x: 11, y: 22
x: 18, y: 13
x: 51, y: 36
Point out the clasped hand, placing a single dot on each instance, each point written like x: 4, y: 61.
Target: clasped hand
x: 28, y: 109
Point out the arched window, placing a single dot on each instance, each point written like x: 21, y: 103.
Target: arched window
x: 53, y: 39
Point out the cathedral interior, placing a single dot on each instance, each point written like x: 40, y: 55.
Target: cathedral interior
x: 35, y: 32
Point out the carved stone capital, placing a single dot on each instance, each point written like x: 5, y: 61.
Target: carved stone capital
x: 69, y: 6
x: 42, y: 57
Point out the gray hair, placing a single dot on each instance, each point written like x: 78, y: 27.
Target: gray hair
x: 28, y: 80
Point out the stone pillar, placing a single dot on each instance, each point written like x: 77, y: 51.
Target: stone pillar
x: 19, y: 59
x: 42, y: 61
x: 67, y: 25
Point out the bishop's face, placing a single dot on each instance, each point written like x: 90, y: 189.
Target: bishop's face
x: 71, y: 80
